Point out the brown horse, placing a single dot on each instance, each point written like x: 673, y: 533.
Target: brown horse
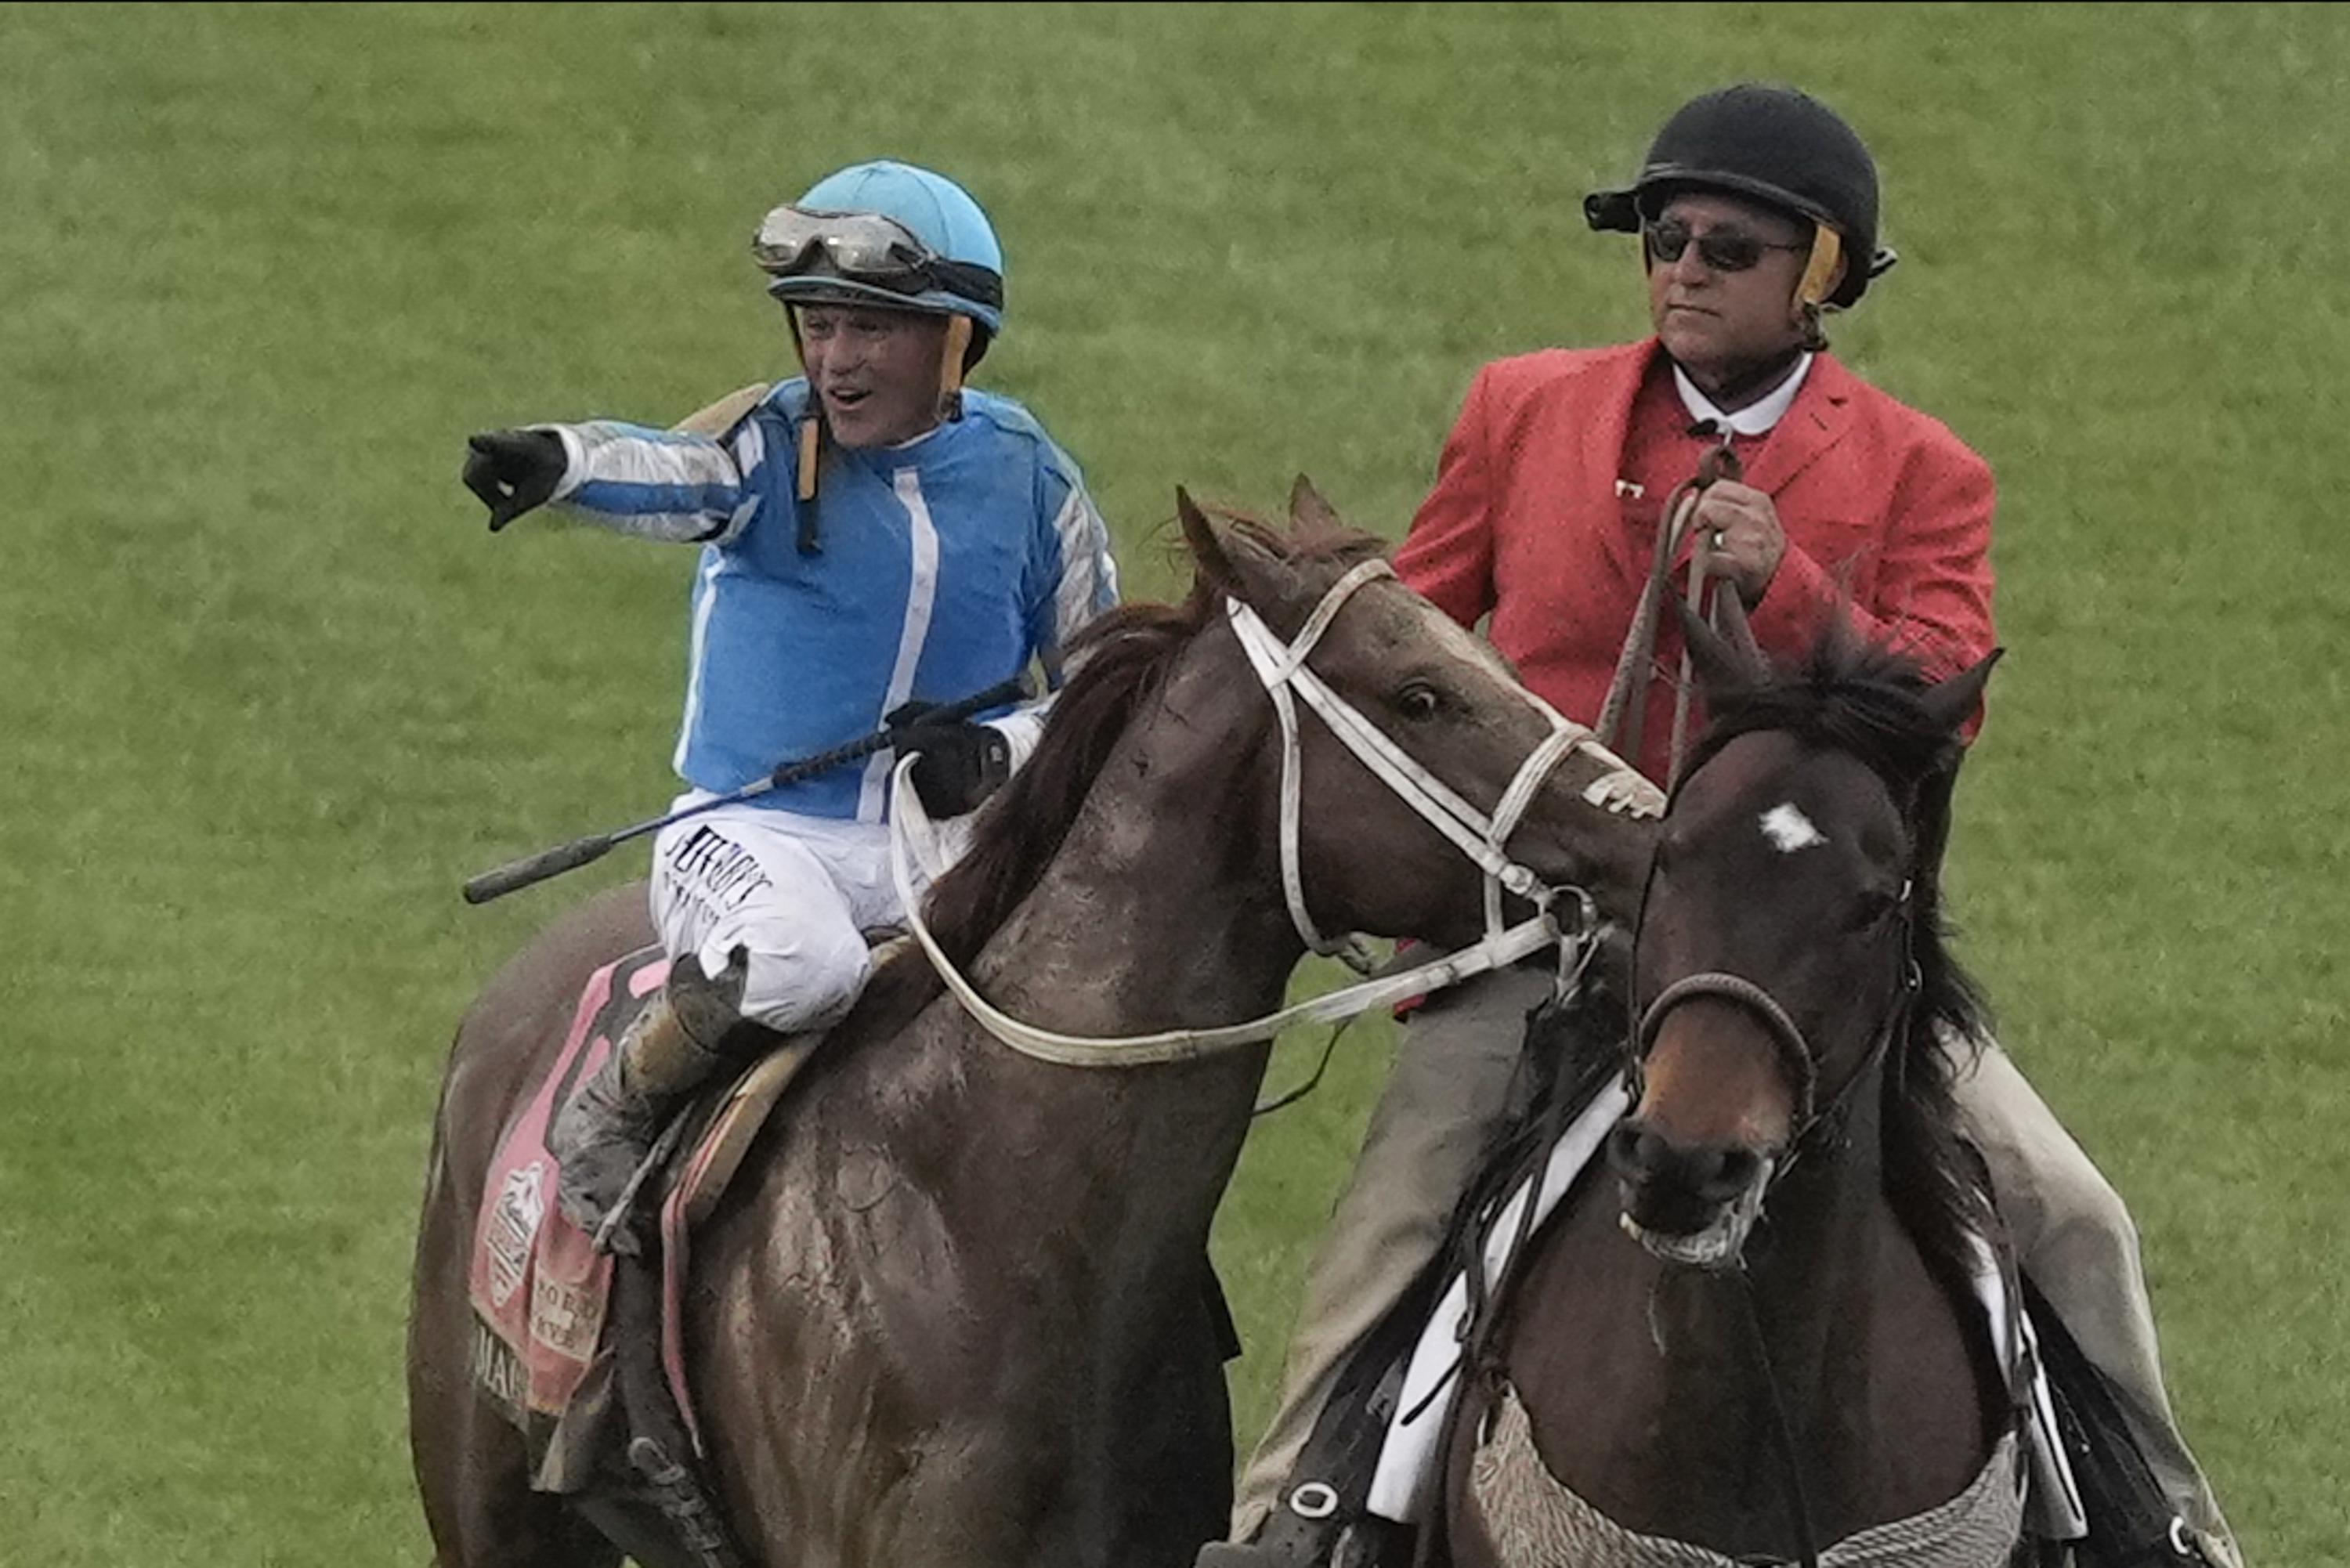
x: 1768, y: 1344
x: 952, y: 1313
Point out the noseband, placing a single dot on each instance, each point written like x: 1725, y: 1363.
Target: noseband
x: 1795, y: 1058
x: 1798, y: 1064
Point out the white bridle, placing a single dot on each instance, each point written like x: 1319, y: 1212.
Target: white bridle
x: 1282, y: 667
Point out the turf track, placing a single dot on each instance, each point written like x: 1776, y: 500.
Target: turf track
x: 270, y: 693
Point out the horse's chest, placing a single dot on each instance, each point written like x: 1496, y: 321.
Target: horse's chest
x: 1531, y: 1520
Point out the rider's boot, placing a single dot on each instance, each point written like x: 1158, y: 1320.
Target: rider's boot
x: 603, y: 1134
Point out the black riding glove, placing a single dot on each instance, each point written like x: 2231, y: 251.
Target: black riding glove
x: 513, y: 471
x: 957, y: 763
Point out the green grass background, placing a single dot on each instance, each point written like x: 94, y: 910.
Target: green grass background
x: 268, y: 693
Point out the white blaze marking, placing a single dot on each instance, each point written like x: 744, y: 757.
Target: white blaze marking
x: 1789, y: 829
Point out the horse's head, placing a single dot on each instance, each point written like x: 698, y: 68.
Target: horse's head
x: 1366, y: 856
x: 1779, y: 949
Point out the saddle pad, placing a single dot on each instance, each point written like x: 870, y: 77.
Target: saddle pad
x: 1532, y: 1517
x: 540, y: 1289
x: 715, y: 1155
x: 540, y: 1292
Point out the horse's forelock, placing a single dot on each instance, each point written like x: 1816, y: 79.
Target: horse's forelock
x: 1313, y: 552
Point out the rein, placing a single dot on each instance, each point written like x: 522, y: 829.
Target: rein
x: 1624, y: 713
x: 1282, y: 667
x: 1783, y: 1428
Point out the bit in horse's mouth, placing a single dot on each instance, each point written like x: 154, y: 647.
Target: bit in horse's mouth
x: 1721, y: 1242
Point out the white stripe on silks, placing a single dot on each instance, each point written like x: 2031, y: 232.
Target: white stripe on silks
x: 921, y: 597
x: 1089, y: 576
x: 705, y: 595
x: 639, y: 455
x: 750, y: 456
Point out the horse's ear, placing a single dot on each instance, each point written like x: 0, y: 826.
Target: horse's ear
x: 1953, y: 701
x: 1309, y: 511
x: 1206, y: 546
x: 1229, y: 561
x: 1721, y: 666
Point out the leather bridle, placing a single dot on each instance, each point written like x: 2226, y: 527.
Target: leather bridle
x: 1282, y: 668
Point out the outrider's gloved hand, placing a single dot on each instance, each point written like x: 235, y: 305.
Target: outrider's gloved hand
x: 513, y: 471
x: 958, y: 763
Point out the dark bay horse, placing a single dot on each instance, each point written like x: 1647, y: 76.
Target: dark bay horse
x: 1760, y: 1338
x: 952, y: 1311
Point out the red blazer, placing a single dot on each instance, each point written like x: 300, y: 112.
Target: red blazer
x: 1529, y: 524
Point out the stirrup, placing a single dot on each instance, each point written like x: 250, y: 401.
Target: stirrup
x: 613, y: 1232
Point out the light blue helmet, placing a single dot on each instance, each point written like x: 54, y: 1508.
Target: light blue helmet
x: 934, y: 252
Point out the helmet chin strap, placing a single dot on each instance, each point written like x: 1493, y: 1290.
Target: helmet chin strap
x: 811, y: 453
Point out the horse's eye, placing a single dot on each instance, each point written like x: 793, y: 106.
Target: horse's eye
x: 1419, y: 702
x: 1871, y: 908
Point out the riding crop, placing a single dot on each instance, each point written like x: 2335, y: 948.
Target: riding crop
x: 585, y: 851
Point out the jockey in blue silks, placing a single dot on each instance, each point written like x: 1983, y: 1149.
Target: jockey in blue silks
x: 875, y: 538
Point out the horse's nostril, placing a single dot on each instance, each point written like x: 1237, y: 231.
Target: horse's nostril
x: 1714, y: 1173
x: 1632, y: 1150
x: 1732, y: 1169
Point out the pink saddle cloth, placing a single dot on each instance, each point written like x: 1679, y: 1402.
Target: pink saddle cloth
x: 541, y: 1294
x: 540, y: 1289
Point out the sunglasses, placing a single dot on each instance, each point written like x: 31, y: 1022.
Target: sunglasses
x: 1723, y: 250
x: 864, y: 247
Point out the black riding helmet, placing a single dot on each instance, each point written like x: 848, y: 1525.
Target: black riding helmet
x: 1775, y: 144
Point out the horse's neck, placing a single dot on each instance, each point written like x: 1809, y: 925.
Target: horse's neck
x: 1864, y: 1338
x: 1651, y: 1402
x: 1823, y: 1246
x: 1161, y: 910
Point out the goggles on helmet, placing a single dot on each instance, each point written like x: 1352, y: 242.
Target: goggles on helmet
x: 866, y: 248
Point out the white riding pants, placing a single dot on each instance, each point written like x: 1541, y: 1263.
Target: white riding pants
x: 798, y: 892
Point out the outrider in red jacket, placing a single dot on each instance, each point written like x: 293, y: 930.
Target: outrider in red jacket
x: 1552, y: 486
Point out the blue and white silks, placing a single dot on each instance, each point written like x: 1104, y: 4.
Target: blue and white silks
x: 946, y: 565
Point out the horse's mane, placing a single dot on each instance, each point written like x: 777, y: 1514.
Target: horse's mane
x: 1115, y: 666
x: 1863, y: 699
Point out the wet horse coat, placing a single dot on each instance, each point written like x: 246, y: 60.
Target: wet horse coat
x: 951, y: 1311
